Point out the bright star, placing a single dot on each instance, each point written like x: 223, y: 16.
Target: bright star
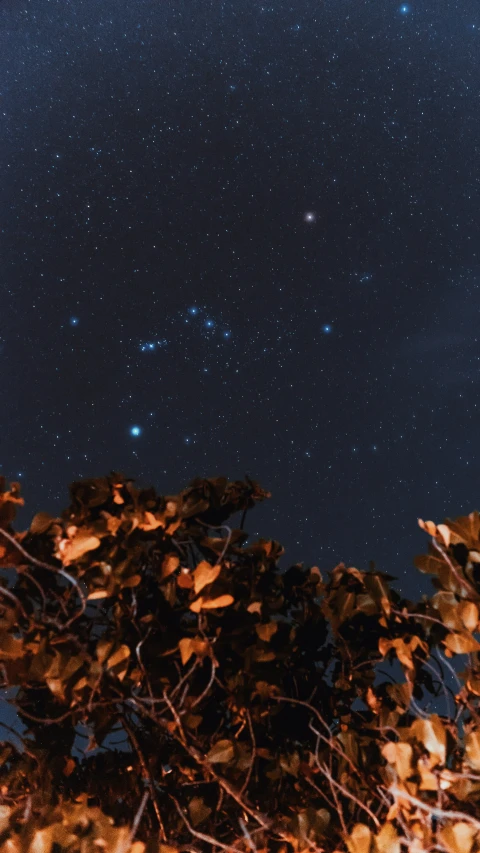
x: 209, y: 324
x: 193, y: 311
x: 326, y: 328
x: 135, y: 431
x: 74, y: 321
x: 226, y: 334
x: 310, y: 216
x: 404, y: 9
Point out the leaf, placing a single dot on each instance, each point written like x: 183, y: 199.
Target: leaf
x: 290, y: 763
x: 472, y: 749
x: 205, y: 574
x: 462, y: 643
x: 185, y: 579
x: 433, y: 736
x: 69, y: 767
x: 150, y: 522
x: 10, y: 647
x: 104, y: 647
x: 445, y: 533
x: 468, y: 612
x: 387, y: 840
x: 190, y: 646
x: 70, y: 550
x: 98, y: 593
x: 211, y: 603
x: 429, y: 526
x: 360, y: 839
x: 198, y: 810
x: 221, y: 753
x: 170, y: 563
x: 119, y: 661
x: 458, y: 838
x: 40, y: 523
x: 400, y: 755
x: 133, y: 580
x: 266, y: 631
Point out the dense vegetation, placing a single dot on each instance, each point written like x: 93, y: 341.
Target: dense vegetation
x: 258, y: 708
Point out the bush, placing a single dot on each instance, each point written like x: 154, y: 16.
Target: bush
x: 254, y: 713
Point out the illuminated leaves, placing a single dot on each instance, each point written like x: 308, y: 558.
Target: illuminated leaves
x: 192, y: 646
x: 211, y: 603
x: 404, y: 648
x: 234, y: 683
x: 78, y: 543
x: 472, y: 749
x: 461, y: 643
x: 204, y: 574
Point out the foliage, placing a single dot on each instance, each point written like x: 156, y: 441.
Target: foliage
x: 250, y: 698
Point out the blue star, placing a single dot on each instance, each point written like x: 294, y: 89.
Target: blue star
x: 135, y: 431
x: 226, y: 334
x: 326, y: 328
x: 193, y: 311
x: 404, y: 9
x: 209, y: 324
x: 74, y: 321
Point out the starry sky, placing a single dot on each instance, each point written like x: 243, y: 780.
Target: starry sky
x: 242, y: 237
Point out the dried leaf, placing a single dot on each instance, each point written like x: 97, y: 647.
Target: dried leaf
x: 119, y: 661
x: 211, y: 603
x: 387, y: 840
x: 458, y: 837
x: 198, y: 810
x: 468, y: 612
x: 192, y: 645
x: 400, y: 755
x: 221, y: 753
x: 461, y: 643
x: 170, y: 564
x: 266, y: 631
x: 360, y: 839
x: 73, y: 549
x: 11, y: 648
x: 432, y: 735
x: 472, y: 749
x: 205, y: 574
x: 445, y: 533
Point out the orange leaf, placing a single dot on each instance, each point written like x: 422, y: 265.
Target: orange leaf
x: 205, y: 574
x: 211, y: 603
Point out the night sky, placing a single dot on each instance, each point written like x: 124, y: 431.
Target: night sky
x: 242, y: 238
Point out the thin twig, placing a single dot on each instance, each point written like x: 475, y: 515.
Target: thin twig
x: 438, y: 813
x: 134, y: 827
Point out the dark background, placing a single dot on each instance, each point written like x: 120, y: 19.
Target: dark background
x: 160, y: 157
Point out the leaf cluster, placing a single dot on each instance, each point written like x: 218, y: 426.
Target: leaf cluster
x: 255, y: 706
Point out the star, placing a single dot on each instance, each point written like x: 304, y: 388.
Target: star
x: 135, y: 431
x: 209, y: 324
x: 193, y: 310
x: 326, y: 328
x: 74, y: 321
x: 310, y: 216
x: 404, y: 9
